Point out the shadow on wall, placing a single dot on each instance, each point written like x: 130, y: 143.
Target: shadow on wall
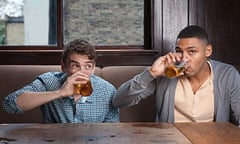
x: 238, y: 67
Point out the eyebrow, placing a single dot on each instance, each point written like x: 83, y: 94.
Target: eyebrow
x: 191, y: 47
x: 90, y: 61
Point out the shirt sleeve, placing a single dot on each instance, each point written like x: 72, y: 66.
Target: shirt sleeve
x: 9, y: 103
x: 134, y: 90
x: 233, y: 84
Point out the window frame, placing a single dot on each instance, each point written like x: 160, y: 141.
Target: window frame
x: 121, y: 55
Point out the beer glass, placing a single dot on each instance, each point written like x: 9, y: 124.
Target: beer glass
x: 83, y: 89
x: 175, y: 70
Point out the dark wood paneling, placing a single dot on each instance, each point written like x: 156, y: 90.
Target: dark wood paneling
x: 222, y: 22
x: 174, y: 18
x: 30, y: 58
x: 157, y: 26
x: 105, y: 58
x: 196, y: 12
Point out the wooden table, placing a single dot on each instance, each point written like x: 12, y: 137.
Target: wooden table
x: 102, y: 133
x: 210, y: 133
x: 120, y: 133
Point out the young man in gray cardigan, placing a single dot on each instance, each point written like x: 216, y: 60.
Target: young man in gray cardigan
x: 207, y: 90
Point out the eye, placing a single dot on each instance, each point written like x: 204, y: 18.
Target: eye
x: 88, y: 66
x: 178, y: 50
x: 74, y: 65
x: 191, y: 52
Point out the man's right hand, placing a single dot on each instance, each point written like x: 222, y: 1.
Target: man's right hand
x: 158, y: 67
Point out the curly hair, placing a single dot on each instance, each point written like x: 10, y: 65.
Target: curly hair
x: 79, y: 46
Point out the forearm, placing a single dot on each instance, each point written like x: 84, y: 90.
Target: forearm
x: 30, y: 100
x: 122, y: 98
x: 131, y: 92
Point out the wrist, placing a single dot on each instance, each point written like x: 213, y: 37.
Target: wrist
x: 152, y: 72
x: 59, y: 94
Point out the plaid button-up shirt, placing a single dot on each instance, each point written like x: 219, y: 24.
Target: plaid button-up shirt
x: 97, y: 108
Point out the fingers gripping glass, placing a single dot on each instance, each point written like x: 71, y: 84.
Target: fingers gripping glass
x: 175, y: 70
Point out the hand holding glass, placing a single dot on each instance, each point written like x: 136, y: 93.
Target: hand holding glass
x: 175, y: 70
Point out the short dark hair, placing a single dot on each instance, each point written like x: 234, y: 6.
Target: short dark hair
x: 79, y: 46
x: 193, y: 31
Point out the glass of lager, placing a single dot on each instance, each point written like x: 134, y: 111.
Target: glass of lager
x: 83, y: 89
x: 175, y: 70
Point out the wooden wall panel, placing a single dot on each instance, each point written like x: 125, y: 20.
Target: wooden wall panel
x: 222, y: 22
x: 174, y: 18
x: 196, y: 12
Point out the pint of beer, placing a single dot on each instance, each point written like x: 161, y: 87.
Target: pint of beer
x: 175, y: 70
x: 83, y: 89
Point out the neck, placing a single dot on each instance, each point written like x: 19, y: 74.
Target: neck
x: 198, y: 80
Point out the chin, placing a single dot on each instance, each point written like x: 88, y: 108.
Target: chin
x: 187, y: 73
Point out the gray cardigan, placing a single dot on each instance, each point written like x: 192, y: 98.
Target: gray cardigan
x: 226, y: 93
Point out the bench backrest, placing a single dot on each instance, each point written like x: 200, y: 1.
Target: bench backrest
x: 13, y: 77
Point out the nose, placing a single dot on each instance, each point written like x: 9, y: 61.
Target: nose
x: 77, y: 69
x: 185, y: 57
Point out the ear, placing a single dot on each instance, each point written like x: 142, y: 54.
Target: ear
x: 94, y: 68
x: 63, y: 66
x: 208, y: 51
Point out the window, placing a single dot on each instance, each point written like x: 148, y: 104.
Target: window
x: 108, y: 22
x: 121, y: 41
x: 28, y: 22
